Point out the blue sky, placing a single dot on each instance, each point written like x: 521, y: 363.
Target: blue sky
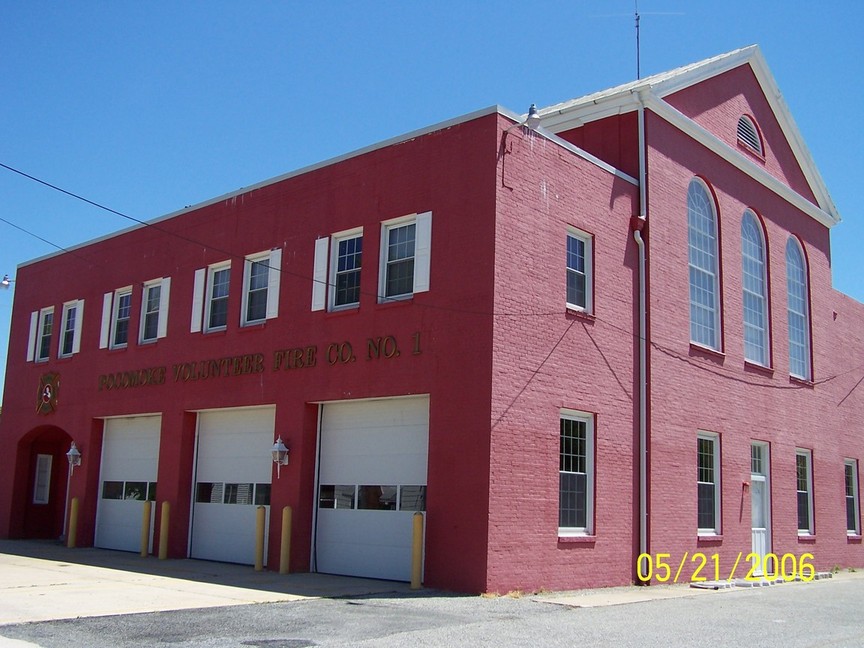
x: 146, y: 107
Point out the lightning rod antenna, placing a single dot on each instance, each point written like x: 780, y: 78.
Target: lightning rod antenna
x: 638, y: 67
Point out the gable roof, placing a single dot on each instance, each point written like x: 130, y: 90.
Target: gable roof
x: 650, y: 93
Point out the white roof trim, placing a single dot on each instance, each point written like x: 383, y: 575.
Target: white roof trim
x: 623, y: 98
x: 341, y: 158
x: 721, y: 148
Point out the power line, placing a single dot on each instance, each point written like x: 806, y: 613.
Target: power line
x: 719, y: 371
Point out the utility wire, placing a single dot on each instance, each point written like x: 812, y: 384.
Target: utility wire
x: 718, y: 371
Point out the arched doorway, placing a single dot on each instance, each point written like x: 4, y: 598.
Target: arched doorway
x: 40, y: 483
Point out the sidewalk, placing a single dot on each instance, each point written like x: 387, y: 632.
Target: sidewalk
x: 44, y: 580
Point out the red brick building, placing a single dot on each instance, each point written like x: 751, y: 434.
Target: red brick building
x: 568, y: 345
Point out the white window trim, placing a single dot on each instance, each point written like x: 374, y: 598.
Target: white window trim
x: 802, y: 452
x: 715, y: 276
x: 422, y: 255
x: 78, y: 305
x: 718, y: 509
x: 273, y: 259
x: 808, y: 365
x: 112, y: 301
x: 766, y: 331
x: 208, y: 295
x: 335, y: 239
x: 588, y: 241
x: 41, y: 495
x: 588, y: 419
x: 164, y: 284
x: 43, y: 314
x: 853, y: 463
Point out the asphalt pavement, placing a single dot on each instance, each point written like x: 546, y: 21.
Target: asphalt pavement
x: 51, y: 596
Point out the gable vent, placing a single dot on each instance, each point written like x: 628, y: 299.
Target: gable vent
x: 748, y: 134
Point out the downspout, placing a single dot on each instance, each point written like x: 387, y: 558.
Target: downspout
x: 638, y: 224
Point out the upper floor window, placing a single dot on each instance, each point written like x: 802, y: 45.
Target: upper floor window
x: 39, y: 341
x: 405, y: 255
x: 337, y: 284
x: 120, y: 320
x: 748, y: 135
x: 576, y: 474
x: 70, y: 328
x: 154, y: 309
x: 798, y: 310
x: 261, y: 273
x: 116, y: 313
x: 579, y: 271
x: 704, y: 266
x: 755, y: 285
x: 210, y: 297
x: 218, y: 281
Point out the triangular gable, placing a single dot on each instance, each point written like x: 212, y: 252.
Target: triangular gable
x: 660, y: 93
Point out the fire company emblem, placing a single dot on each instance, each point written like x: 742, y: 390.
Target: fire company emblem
x: 49, y: 387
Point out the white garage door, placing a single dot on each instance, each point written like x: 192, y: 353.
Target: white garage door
x: 372, y: 478
x: 232, y: 479
x: 130, y: 461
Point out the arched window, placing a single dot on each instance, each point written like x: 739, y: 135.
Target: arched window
x: 755, y: 284
x: 799, y: 318
x: 748, y: 135
x: 704, y: 275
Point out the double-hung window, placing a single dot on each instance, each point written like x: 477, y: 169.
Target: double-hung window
x: 853, y: 517
x: 261, y: 274
x: 576, y: 474
x: 347, y: 257
x: 704, y: 267
x: 218, y: 282
x: 755, y: 286
x: 41, y: 327
x: 579, y: 271
x: 708, y: 483
x: 70, y: 328
x: 116, y: 314
x: 154, y: 309
x: 405, y: 255
x: 798, y: 311
x: 210, y: 297
x: 804, y: 474
x: 337, y: 283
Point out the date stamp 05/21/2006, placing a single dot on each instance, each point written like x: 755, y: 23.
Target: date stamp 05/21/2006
x: 704, y: 567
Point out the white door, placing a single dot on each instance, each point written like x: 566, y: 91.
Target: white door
x: 372, y: 479
x: 130, y: 462
x: 232, y: 478
x: 760, y: 503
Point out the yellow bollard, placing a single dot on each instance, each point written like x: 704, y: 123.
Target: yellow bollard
x: 417, y: 552
x: 259, y: 538
x: 163, y: 530
x: 145, y: 529
x: 72, y: 537
x: 285, y: 552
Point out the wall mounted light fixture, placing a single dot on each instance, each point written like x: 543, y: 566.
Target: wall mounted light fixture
x: 280, y: 455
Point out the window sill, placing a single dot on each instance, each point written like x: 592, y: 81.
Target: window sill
x: 803, y: 382
x: 253, y: 326
x: 757, y: 368
x: 577, y: 539
x: 343, y: 310
x: 853, y: 538
x: 215, y: 332
x: 709, y: 538
x: 395, y: 302
x: 807, y: 538
x: 583, y: 315
x: 708, y: 352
